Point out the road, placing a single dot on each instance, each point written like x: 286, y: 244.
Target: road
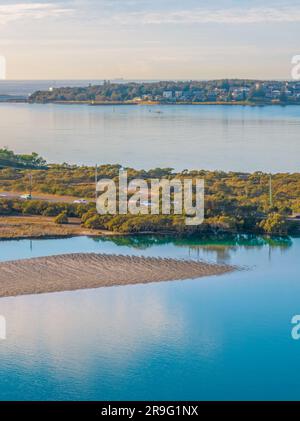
x: 43, y: 197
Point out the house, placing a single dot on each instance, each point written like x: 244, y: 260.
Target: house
x: 275, y: 94
x: 168, y: 94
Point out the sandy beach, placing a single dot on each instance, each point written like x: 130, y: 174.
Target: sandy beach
x: 89, y: 270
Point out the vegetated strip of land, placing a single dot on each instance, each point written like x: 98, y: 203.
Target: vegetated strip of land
x: 234, y: 201
x: 83, y: 271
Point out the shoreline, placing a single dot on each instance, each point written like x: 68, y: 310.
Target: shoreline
x: 150, y: 103
x: 71, y: 272
x: 41, y: 228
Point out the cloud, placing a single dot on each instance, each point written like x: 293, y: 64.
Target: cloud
x: 17, y: 11
x: 221, y: 16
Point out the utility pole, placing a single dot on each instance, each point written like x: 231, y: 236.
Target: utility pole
x: 30, y: 185
x: 270, y: 190
x: 96, y: 181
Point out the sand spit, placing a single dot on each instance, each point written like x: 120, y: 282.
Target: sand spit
x: 89, y: 270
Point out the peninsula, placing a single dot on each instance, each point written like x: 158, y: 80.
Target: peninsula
x: 211, y: 92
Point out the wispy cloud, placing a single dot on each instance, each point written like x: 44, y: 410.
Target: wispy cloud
x: 222, y: 16
x: 17, y: 11
x: 107, y: 15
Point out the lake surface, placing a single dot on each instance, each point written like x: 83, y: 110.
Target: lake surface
x: 226, y: 337
x: 194, y: 137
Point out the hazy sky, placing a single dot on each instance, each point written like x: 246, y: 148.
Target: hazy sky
x: 149, y: 39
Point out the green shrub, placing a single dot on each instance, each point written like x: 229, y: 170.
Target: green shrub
x: 274, y: 224
x: 54, y: 209
x: 7, y: 207
x: 88, y: 215
x: 62, y: 218
x: 97, y: 222
x: 34, y: 207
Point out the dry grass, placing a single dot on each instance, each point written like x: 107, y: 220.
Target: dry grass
x: 40, y: 226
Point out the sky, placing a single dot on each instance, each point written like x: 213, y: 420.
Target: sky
x: 149, y: 39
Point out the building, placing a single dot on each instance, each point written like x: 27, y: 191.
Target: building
x: 168, y: 94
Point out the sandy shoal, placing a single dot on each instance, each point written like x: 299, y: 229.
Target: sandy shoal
x: 70, y: 272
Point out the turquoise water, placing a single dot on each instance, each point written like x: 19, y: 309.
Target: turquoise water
x: 194, y: 137
x: 226, y: 337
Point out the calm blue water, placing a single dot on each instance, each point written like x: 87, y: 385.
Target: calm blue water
x: 226, y: 337
x: 28, y: 87
x: 194, y: 137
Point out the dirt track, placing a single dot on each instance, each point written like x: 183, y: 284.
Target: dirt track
x: 80, y: 271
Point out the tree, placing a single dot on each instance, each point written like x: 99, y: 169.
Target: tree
x: 274, y: 224
x: 283, y: 96
x: 96, y: 221
x: 62, y: 218
x: 10, y: 159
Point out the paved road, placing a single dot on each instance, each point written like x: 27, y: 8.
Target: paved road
x: 293, y: 220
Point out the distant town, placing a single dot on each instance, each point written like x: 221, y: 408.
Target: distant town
x: 226, y: 91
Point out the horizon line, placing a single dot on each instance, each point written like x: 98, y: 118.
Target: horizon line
x: 148, y: 80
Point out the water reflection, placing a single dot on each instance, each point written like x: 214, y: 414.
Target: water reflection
x: 143, y: 242
x: 222, y: 246
x: 218, y: 249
